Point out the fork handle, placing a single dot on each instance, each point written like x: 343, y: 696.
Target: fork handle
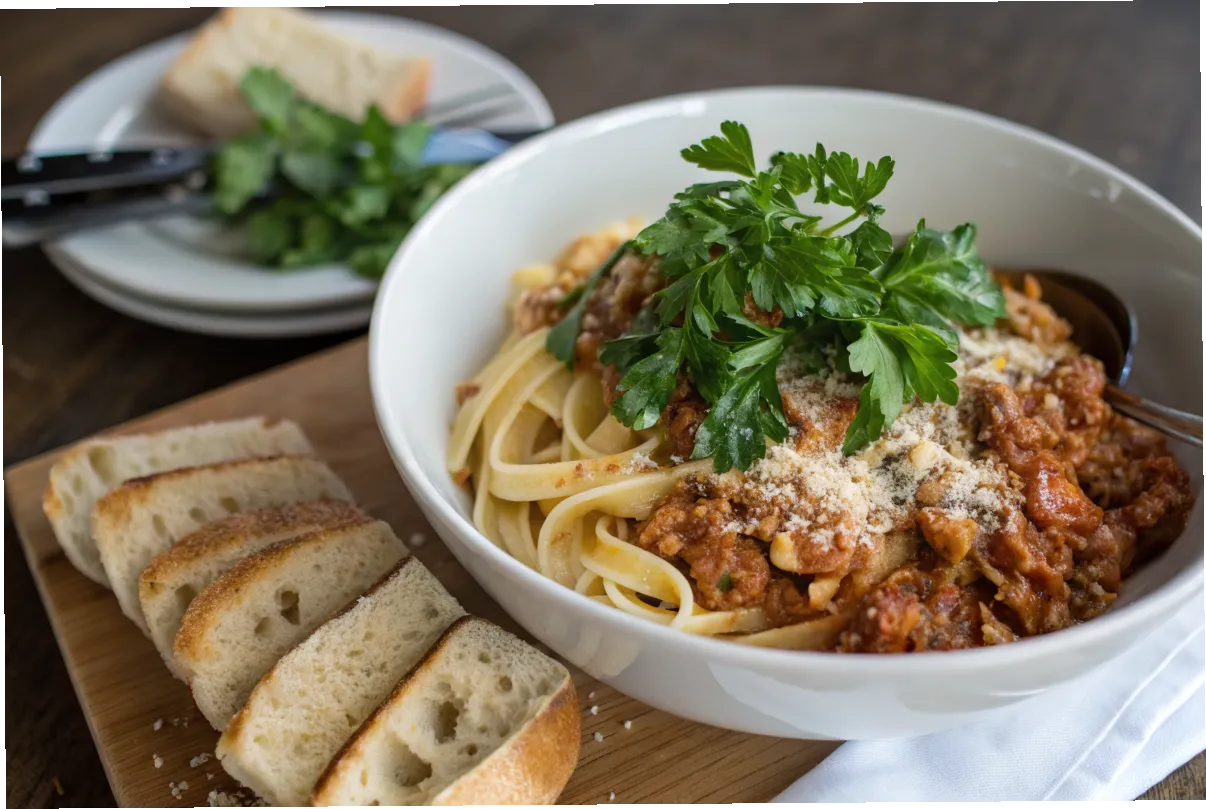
x: 1172, y: 422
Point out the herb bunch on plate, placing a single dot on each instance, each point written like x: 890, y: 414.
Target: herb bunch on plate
x: 312, y: 186
x: 749, y: 274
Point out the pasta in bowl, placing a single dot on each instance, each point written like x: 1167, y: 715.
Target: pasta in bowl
x: 1014, y: 512
x: 447, y: 310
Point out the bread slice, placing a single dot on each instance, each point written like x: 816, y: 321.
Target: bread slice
x: 341, y: 74
x: 144, y: 517
x: 316, y: 696
x: 237, y: 628
x: 89, y: 470
x: 174, y: 577
x: 483, y: 719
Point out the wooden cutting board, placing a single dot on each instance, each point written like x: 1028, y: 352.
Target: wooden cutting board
x: 125, y: 689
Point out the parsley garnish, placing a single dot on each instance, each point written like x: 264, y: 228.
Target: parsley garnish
x: 562, y: 336
x: 343, y: 191
x: 848, y: 300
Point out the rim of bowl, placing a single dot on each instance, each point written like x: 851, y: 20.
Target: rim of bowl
x: 1160, y: 601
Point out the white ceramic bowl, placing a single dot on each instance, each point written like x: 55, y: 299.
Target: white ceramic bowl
x: 1038, y: 202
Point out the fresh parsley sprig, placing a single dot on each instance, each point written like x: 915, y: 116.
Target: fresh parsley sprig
x: 342, y: 190
x: 888, y: 315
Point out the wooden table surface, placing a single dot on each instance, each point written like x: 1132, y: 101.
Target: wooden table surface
x: 1120, y: 80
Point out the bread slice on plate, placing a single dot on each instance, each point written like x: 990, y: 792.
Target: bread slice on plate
x: 90, y: 469
x: 144, y: 517
x: 483, y: 719
x: 241, y: 625
x: 174, y: 577
x: 315, y: 697
x: 341, y: 74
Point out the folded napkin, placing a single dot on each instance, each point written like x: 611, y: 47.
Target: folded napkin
x: 1110, y: 735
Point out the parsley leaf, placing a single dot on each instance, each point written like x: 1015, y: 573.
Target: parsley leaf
x: 647, y: 387
x: 270, y: 95
x: 900, y: 361
x: 729, y: 151
x: 315, y: 172
x: 735, y: 430
x: 564, y: 335
x: 269, y: 234
x: 243, y: 169
x: 940, y: 277
x: 639, y: 342
x: 872, y: 246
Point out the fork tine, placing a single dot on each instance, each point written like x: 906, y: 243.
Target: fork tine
x: 455, y: 103
x: 479, y: 116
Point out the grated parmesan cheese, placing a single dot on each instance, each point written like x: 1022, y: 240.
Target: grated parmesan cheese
x: 825, y: 499
x: 640, y: 462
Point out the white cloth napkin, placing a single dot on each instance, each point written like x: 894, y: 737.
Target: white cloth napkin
x: 1109, y: 735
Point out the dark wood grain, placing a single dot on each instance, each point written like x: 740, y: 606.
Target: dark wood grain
x: 1120, y: 80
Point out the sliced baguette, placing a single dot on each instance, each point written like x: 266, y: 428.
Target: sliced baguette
x: 174, y: 577
x: 483, y: 719
x: 316, y: 696
x: 144, y: 517
x: 341, y: 74
x: 241, y: 625
x: 89, y: 470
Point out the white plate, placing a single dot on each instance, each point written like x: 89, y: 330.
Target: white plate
x: 196, y: 264
x: 256, y: 325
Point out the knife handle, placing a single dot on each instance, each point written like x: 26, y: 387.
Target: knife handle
x: 35, y: 178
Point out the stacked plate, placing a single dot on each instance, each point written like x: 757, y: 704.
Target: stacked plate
x: 190, y: 274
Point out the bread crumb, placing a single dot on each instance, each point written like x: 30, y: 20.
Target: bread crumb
x: 598, y: 736
x: 218, y: 798
x: 158, y: 725
x: 417, y: 539
x: 594, y: 710
x: 611, y: 796
x: 591, y: 695
x: 209, y: 776
x: 58, y: 787
x: 197, y: 761
x: 627, y: 724
x: 156, y: 760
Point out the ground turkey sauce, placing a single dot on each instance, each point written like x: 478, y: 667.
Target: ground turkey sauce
x: 1015, y: 513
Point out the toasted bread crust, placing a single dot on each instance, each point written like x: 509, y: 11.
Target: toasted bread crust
x: 234, y: 530
x: 119, y: 504
x: 409, y: 97
x: 532, y: 767
x: 209, y: 604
